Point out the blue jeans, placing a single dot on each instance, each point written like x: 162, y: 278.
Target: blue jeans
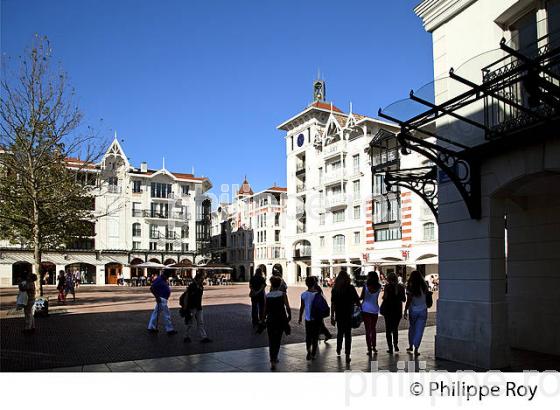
x: 416, y: 328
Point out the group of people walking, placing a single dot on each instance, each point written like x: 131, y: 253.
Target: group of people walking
x: 347, y: 311
x: 191, y: 307
x: 66, y: 283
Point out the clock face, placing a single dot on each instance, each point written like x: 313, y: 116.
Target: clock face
x: 300, y: 140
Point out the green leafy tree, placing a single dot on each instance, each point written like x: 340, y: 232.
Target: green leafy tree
x: 44, y: 202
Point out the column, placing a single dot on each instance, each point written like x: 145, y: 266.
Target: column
x: 472, y: 308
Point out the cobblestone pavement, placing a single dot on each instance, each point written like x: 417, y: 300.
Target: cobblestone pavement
x: 108, y: 324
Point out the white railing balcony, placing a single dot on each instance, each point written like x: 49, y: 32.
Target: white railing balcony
x: 169, y: 195
x: 300, y: 188
x: 182, y: 216
x: 334, y: 149
x: 335, y: 201
x: 302, y: 252
x: 300, y: 229
x: 300, y: 209
x: 385, y: 156
x: 300, y: 166
x: 337, y: 175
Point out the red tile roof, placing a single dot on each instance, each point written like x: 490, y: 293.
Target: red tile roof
x: 278, y: 189
x: 71, y: 161
x: 245, y: 188
x: 325, y: 106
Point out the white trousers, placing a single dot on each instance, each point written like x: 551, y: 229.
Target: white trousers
x: 196, y: 315
x: 164, y: 309
x: 29, y: 311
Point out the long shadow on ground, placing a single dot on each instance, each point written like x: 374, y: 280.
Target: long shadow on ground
x: 78, y: 339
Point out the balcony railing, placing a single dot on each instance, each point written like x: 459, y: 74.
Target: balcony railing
x: 524, y: 87
x: 155, y: 235
x: 334, y: 176
x: 300, y: 166
x: 156, y: 214
x: 334, y: 149
x: 300, y: 188
x: 384, y: 157
x: 171, y: 235
x: 169, y: 195
x: 336, y: 201
x: 300, y: 209
x: 137, y: 213
x: 302, y: 252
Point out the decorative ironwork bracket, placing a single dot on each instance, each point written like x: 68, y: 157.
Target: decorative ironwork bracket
x: 462, y: 170
x: 422, y: 181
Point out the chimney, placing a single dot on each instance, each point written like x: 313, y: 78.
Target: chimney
x: 144, y: 167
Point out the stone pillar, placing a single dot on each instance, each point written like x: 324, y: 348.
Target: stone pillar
x: 472, y: 322
x: 126, y: 272
x: 291, y: 273
x: 100, y: 274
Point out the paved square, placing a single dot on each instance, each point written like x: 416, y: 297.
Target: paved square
x: 108, y: 325
x: 105, y: 330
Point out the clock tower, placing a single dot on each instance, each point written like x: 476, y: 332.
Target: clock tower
x: 319, y: 90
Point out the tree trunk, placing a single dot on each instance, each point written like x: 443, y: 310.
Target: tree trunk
x: 37, y: 257
x: 37, y: 248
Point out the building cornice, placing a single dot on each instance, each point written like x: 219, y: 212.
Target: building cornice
x: 434, y: 13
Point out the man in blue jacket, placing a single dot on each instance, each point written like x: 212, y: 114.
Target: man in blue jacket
x: 161, y: 291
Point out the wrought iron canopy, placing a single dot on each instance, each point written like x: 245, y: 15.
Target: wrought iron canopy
x: 519, y: 95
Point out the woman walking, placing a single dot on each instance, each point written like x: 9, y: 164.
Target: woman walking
x: 370, y: 310
x: 417, y: 309
x: 277, y: 314
x: 322, y: 328
x: 61, y: 286
x: 257, y: 286
x: 70, y: 286
x: 312, y: 325
x: 391, y: 309
x: 343, y: 299
x: 28, y: 286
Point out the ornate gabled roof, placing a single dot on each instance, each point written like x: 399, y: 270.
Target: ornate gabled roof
x: 245, y: 189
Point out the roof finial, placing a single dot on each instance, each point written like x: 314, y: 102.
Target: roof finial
x: 163, y: 161
x: 115, y: 134
x: 192, y: 170
x: 350, y: 107
x: 331, y: 106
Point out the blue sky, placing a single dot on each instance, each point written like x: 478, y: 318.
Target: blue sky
x: 205, y: 83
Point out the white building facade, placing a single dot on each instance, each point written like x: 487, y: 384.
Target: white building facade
x: 145, y: 215
x: 249, y: 233
x: 338, y: 215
